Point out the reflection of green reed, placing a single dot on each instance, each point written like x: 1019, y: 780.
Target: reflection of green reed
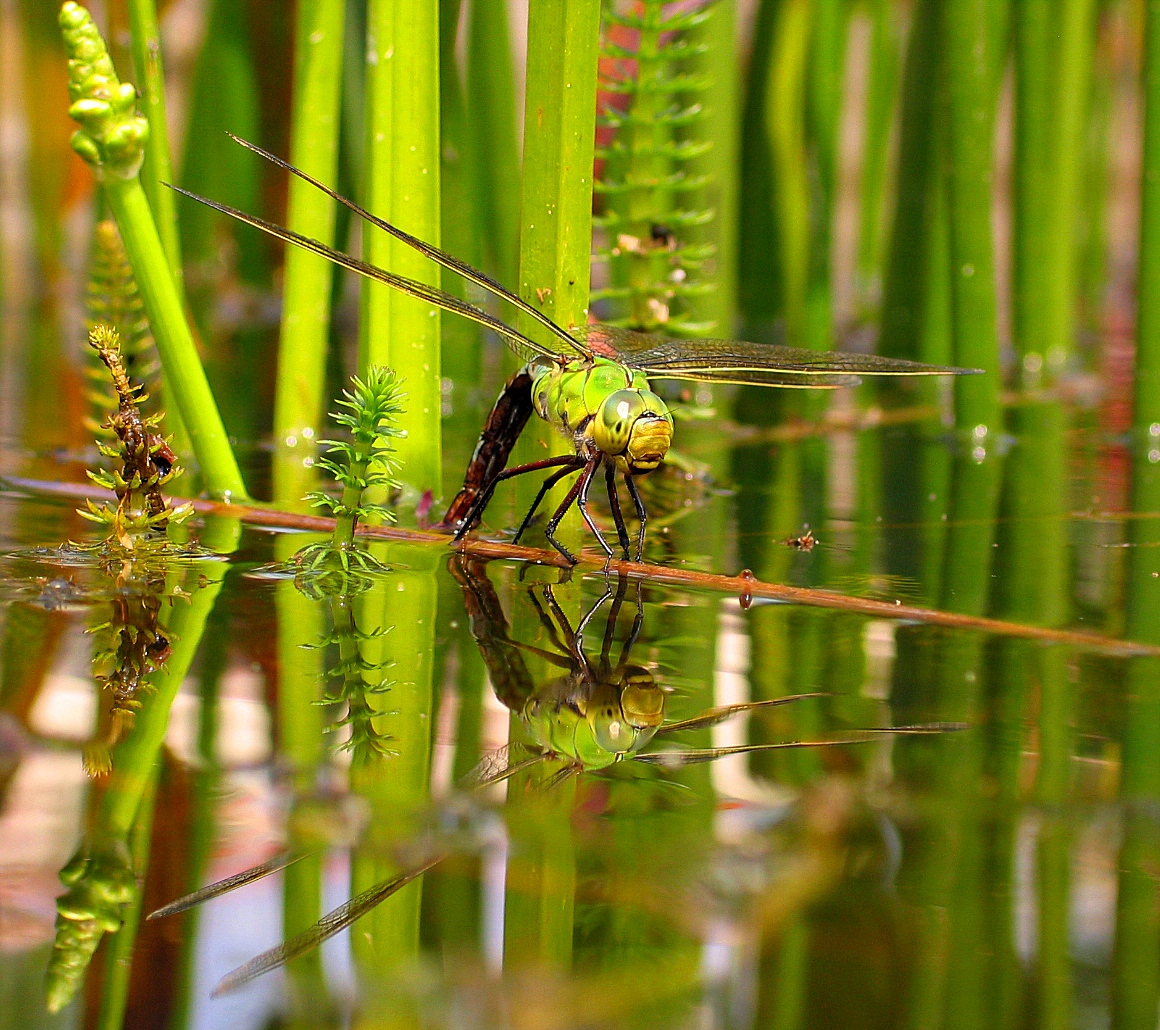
x: 396, y: 784
x: 104, y: 856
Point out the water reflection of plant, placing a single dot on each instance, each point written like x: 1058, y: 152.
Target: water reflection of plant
x: 133, y: 647
x: 339, y: 569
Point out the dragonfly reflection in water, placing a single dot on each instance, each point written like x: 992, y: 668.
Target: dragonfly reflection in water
x: 590, y: 383
x: 596, y: 713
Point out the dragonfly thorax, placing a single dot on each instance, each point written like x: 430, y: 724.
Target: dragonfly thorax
x: 608, y: 404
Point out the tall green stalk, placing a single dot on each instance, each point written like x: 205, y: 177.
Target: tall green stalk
x: 719, y: 165
x: 401, y: 183
x: 785, y: 125
x: 882, y: 91
x: 556, y: 188
x: 111, y: 142
x: 1053, y: 67
x: 491, y: 113
x: 917, y: 180
x: 157, y: 169
x: 299, y: 404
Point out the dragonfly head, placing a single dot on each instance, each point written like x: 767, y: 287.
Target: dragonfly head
x: 635, y: 427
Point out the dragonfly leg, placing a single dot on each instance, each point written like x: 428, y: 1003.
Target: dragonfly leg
x: 471, y: 519
x: 558, y: 516
x: 586, y: 478
x: 545, y: 486
x: 614, y: 504
x: 640, y: 514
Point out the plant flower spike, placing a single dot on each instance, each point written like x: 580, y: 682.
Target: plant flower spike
x: 141, y: 514
x: 111, y: 140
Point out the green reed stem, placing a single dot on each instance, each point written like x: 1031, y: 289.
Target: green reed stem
x: 721, y: 194
x: 401, y: 183
x: 299, y: 402
x: 150, y: 75
x: 1053, y: 60
x: 785, y: 125
x: 917, y: 181
x: 971, y: 94
x: 559, y: 143
x: 882, y: 91
x: 825, y: 64
x: 180, y: 361
x: 556, y: 187
x: 1035, y: 50
x: 157, y: 169
x: 491, y: 113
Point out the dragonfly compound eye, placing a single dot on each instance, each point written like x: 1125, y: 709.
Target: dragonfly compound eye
x: 634, y: 425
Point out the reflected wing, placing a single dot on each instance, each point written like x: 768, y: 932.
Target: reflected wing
x: 428, y: 294
x: 739, y: 361
x: 230, y: 883
x: 716, y: 715
x: 330, y: 924
x: 497, y: 765
x: 694, y: 756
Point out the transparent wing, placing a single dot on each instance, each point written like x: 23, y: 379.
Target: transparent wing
x: 523, y: 346
x: 230, y: 883
x: 330, y: 924
x: 440, y: 257
x: 497, y: 765
x: 739, y: 361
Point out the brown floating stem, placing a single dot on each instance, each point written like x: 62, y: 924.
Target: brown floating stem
x: 742, y: 585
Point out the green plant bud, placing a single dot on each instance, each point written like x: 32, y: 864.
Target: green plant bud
x: 113, y: 132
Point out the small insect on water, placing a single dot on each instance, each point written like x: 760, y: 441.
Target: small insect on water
x: 591, y: 383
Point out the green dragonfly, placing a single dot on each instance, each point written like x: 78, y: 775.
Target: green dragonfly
x: 591, y: 383
x: 595, y: 714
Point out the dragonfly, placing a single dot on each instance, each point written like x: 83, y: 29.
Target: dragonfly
x: 590, y: 382
x: 596, y: 713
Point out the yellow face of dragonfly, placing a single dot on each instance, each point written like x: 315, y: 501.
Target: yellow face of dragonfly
x: 634, y: 427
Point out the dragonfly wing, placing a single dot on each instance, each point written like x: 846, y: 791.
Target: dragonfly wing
x: 330, y: 924
x: 230, y: 883
x: 500, y: 764
x: 521, y: 344
x: 694, y: 756
x: 740, y: 361
x: 715, y: 715
x: 428, y: 250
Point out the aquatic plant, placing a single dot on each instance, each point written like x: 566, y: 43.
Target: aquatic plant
x: 362, y: 464
x: 141, y: 514
x: 339, y: 569
x: 100, y: 883
x: 652, y: 270
x: 111, y: 142
x: 112, y: 299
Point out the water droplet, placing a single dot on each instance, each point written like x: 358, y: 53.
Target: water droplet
x: 968, y: 271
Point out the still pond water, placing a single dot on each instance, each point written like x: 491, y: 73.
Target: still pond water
x: 1001, y: 874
